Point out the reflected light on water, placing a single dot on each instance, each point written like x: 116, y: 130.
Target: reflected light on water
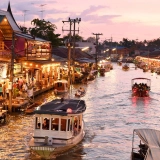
x: 110, y: 118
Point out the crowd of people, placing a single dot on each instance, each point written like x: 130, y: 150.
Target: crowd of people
x: 140, y: 90
x: 19, y: 87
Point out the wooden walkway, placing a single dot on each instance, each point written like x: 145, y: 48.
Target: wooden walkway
x: 20, y: 102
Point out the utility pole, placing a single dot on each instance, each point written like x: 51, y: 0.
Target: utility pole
x: 42, y: 5
x: 96, y: 58
x: 25, y: 15
x: 111, y: 46
x: 11, y: 73
x: 71, y: 21
x: 77, y: 20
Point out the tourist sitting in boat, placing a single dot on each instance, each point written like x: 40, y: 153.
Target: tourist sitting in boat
x: 141, y: 89
x: 45, y: 124
x: 38, y: 125
x: 81, y: 89
x: 78, y: 93
x: 75, y: 130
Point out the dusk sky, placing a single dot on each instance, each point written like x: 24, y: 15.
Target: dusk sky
x: 132, y: 19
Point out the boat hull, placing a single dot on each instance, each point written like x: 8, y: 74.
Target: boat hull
x: 52, y: 151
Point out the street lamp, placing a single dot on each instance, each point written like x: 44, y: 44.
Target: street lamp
x: 146, y: 45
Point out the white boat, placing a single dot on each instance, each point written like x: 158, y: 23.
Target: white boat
x: 58, y: 127
x: 145, y: 144
x: 60, y: 86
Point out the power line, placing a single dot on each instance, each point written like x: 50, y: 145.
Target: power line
x: 71, y: 21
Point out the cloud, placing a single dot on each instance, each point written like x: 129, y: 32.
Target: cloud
x: 94, y: 19
x: 91, y: 15
x: 93, y: 9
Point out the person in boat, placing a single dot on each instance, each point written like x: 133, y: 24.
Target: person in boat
x: 38, y: 125
x: 81, y: 89
x: 45, y: 125
x: 75, y: 129
x: 78, y: 93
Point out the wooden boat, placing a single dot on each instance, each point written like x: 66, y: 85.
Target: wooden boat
x: 125, y: 67
x: 3, y: 116
x: 102, y: 71
x: 30, y: 108
x: 147, y: 147
x: 60, y: 86
x: 140, y: 87
x: 119, y: 63
x: 58, y: 127
x: 92, y: 75
x: 80, y: 93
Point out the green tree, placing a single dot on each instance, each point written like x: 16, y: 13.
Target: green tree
x: 45, y: 30
x: 77, y: 37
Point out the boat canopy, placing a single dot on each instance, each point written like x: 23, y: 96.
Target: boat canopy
x: 62, y: 107
x: 151, y: 138
x: 141, y: 79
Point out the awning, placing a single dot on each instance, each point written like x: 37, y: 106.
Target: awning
x: 30, y: 37
x: 151, y: 138
x: 26, y: 36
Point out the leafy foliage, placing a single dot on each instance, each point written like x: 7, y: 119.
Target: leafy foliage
x: 77, y: 37
x: 45, y: 30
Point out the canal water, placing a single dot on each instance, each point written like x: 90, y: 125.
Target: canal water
x: 110, y: 118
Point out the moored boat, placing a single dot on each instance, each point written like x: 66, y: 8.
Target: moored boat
x: 80, y: 92
x: 60, y: 86
x: 102, y: 71
x: 3, y: 116
x: 58, y: 127
x: 119, y: 62
x: 148, y: 147
x: 125, y: 67
x: 30, y: 108
x: 140, y: 87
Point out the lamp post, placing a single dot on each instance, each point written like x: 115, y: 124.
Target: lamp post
x: 11, y: 73
x: 146, y: 45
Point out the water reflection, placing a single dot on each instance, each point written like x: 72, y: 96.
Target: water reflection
x: 110, y: 118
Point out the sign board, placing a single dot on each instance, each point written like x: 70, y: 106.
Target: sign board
x: 9, y: 85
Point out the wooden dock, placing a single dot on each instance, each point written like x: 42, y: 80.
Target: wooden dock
x: 21, y: 103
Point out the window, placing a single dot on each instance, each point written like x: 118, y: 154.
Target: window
x: 63, y: 124
x: 59, y: 84
x: 38, y: 123
x: 69, y: 127
x: 55, y: 124
x: 45, y: 124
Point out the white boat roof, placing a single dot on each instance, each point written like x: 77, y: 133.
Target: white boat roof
x: 140, y: 78
x: 151, y: 138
